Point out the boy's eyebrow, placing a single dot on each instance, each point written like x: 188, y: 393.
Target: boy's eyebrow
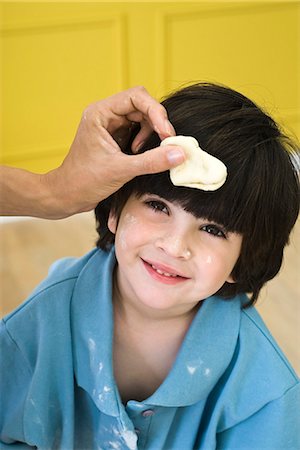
x: 154, y: 195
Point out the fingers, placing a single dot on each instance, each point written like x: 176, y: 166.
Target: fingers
x: 152, y: 111
x: 116, y: 116
x: 137, y: 105
x: 152, y: 161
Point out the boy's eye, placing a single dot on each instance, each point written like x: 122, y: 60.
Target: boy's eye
x: 157, y: 206
x: 214, y: 230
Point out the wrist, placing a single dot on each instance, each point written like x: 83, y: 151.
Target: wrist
x: 30, y: 194
x: 56, y: 200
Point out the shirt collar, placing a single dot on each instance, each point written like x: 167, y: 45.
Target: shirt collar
x: 92, y: 329
x: 205, y: 353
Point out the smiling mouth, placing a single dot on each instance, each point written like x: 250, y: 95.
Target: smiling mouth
x: 166, y: 274
x: 163, y: 275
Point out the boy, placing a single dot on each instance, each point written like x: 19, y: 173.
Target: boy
x: 150, y: 341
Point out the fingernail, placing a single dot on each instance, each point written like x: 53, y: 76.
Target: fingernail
x: 169, y: 129
x: 175, y: 156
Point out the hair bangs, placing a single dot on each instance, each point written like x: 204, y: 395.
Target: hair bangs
x: 209, y: 205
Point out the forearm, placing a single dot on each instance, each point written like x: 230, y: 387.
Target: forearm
x: 24, y: 193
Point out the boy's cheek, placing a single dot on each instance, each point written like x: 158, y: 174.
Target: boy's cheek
x: 123, y: 224
x: 127, y: 231
x: 215, y: 269
x: 129, y: 220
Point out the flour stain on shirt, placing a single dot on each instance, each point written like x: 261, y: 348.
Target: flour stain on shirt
x: 36, y: 418
x: 111, y: 430
x: 92, y: 345
x: 196, y: 365
x: 118, y: 437
x: 206, y: 371
x: 191, y: 369
x: 115, y: 445
x: 95, y: 365
x: 92, y: 350
x: 102, y: 396
x: 130, y: 439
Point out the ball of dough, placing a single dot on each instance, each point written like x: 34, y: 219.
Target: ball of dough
x: 200, y: 170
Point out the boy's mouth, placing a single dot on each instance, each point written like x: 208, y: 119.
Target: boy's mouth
x: 163, y: 273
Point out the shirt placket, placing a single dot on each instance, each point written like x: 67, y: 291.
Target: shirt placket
x: 141, y: 416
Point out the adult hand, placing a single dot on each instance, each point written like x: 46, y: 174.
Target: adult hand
x: 95, y: 166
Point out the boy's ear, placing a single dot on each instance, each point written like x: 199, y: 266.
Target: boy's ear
x: 230, y: 279
x: 112, y: 223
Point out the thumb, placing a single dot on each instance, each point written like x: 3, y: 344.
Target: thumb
x: 153, y: 161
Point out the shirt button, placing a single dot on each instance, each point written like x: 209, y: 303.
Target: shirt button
x: 148, y: 413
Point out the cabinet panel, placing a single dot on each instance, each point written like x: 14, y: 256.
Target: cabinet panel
x: 252, y: 47
x: 52, y: 71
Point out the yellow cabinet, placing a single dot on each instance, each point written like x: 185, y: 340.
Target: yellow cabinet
x: 59, y: 57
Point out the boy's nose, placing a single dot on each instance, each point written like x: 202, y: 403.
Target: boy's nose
x: 174, y: 246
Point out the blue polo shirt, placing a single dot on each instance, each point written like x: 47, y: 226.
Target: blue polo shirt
x: 229, y: 388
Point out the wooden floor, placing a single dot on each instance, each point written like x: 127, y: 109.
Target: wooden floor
x: 30, y: 246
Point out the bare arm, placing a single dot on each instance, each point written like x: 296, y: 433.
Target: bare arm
x: 95, y: 166
x: 25, y: 193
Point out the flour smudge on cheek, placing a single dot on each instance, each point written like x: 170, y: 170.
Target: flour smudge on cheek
x: 209, y: 259
x: 127, y: 223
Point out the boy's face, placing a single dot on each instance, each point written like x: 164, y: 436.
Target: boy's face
x: 167, y: 258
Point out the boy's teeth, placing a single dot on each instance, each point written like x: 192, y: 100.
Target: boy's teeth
x: 166, y: 274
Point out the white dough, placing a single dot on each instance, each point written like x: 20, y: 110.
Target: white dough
x: 200, y: 170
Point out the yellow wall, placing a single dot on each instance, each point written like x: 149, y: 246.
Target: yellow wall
x: 59, y: 57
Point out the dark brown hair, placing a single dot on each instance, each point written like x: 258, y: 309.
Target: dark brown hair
x: 260, y: 198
